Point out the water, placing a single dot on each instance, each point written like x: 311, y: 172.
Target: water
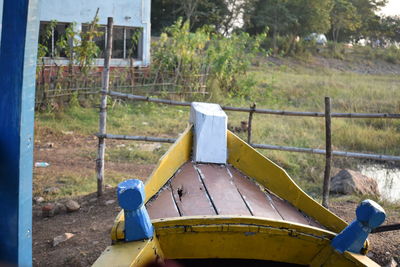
x: 388, y: 180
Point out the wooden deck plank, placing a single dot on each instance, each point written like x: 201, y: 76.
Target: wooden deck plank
x: 189, y: 193
x: 255, y: 198
x: 223, y: 193
x: 163, y: 206
x: 287, y: 211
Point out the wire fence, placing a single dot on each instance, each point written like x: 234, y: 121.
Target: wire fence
x: 58, y: 84
x: 328, y: 152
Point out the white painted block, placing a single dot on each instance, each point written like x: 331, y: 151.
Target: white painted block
x: 210, y: 141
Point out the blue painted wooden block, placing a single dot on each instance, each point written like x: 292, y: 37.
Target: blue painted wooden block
x: 131, y: 198
x: 369, y: 216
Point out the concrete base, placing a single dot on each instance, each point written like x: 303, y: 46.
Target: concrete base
x: 210, y: 126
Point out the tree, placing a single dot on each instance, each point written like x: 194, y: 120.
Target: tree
x: 344, y: 16
x: 389, y: 29
x: 222, y: 14
x: 367, y: 11
x: 289, y: 17
x: 312, y: 16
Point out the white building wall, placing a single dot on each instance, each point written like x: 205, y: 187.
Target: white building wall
x: 130, y: 13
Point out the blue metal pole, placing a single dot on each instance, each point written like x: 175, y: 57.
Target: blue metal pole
x: 18, y: 50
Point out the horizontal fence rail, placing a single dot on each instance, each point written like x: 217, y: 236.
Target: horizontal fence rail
x: 258, y: 110
x: 261, y: 146
x: 137, y: 138
x: 323, y: 152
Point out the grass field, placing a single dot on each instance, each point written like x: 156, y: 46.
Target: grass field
x: 284, y: 86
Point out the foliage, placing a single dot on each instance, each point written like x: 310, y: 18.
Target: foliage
x: 388, y: 30
x: 287, y: 19
x: 225, y: 60
x: 344, y: 17
x: 367, y: 11
x: 86, y: 49
x: 46, y: 39
x: 294, y: 17
x: 220, y: 13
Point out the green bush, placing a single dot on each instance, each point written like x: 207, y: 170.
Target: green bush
x: 205, y: 58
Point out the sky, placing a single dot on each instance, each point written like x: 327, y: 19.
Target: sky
x: 392, y: 8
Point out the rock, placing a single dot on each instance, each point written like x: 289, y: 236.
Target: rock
x: 67, y: 132
x: 52, y: 190
x: 110, y: 202
x: 95, y: 243
x: 92, y: 200
x: 72, y: 205
x: 48, y: 210
x: 392, y: 263
x: 60, y: 208
x: 349, y: 182
x: 50, y: 145
x: 108, y: 186
x: 149, y: 147
x: 62, y: 238
x: 38, y: 200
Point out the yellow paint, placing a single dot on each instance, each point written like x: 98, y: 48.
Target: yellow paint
x: 130, y: 254
x: 275, y: 179
x: 173, y: 159
x: 205, y: 237
x: 360, y: 260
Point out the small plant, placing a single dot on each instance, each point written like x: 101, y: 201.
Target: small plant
x: 205, y: 58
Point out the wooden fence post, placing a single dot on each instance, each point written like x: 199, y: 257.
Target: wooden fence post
x: 328, y: 134
x: 249, y: 128
x: 103, y: 110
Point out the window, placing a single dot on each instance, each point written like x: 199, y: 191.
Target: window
x: 49, y: 35
x: 127, y: 42
x: 118, y: 43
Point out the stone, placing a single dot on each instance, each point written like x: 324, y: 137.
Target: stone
x: 349, y: 182
x: 108, y: 186
x: 72, y: 205
x: 392, y: 263
x: 210, y: 135
x: 52, y: 190
x: 67, y: 132
x: 150, y: 147
x: 62, y: 238
x: 38, y: 200
x: 92, y: 200
x: 59, y: 208
x: 49, y: 145
x: 48, y: 210
x: 110, y: 202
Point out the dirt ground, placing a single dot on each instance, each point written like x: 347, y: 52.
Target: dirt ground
x: 91, y: 225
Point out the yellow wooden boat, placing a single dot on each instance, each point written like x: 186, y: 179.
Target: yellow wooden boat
x: 246, y: 212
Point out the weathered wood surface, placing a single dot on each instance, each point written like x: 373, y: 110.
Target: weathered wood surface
x: 328, y: 155
x: 163, y: 206
x: 103, y: 110
x: 190, y: 194
x: 212, y: 189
